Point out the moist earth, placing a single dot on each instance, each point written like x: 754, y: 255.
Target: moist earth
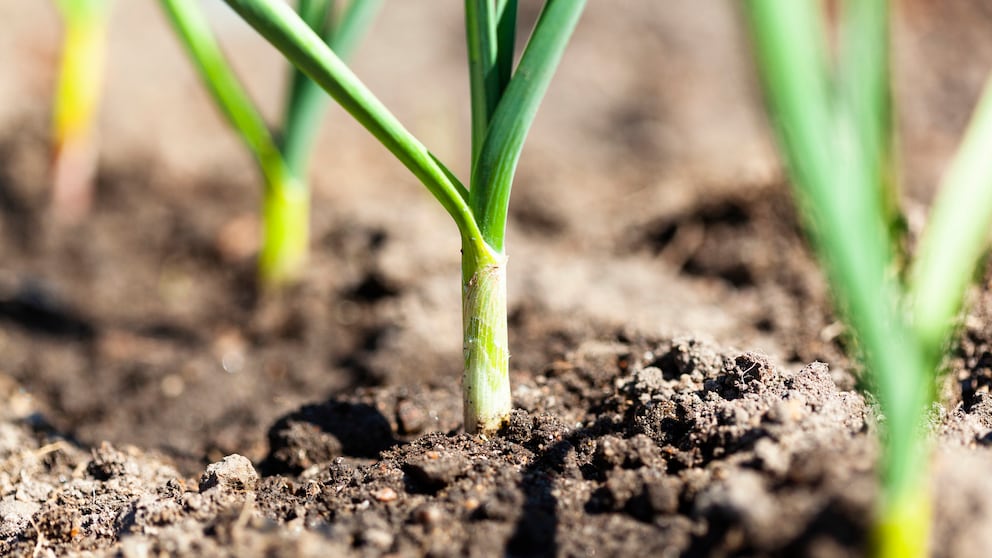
x: 624, y: 446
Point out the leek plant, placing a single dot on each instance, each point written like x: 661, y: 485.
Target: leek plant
x: 833, y: 117
x: 76, y: 100
x: 504, y: 102
x: 283, y: 160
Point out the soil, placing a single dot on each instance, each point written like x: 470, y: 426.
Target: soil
x: 680, y: 380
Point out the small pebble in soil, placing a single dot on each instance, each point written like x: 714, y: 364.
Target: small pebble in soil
x: 385, y: 494
x: 234, y: 472
x: 410, y: 417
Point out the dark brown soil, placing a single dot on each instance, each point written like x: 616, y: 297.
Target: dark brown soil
x: 152, y: 402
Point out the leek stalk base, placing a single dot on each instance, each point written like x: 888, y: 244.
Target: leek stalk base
x: 486, y: 380
x: 903, y: 526
x: 285, y: 235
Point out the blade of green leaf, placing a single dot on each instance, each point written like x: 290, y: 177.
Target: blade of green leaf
x: 281, y: 26
x: 355, y: 21
x: 83, y: 9
x: 490, y: 32
x: 863, y: 83
x: 492, y: 176
x: 956, y: 235
x: 821, y: 150
x: 307, y: 101
x: 482, y: 46
x: 194, y: 30
x: 506, y: 36
x: 317, y: 14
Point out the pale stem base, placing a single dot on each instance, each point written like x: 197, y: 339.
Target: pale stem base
x: 902, y: 529
x: 285, y: 235
x: 486, y: 382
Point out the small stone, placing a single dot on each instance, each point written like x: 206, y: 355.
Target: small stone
x: 385, y: 494
x: 234, y: 472
x: 411, y: 418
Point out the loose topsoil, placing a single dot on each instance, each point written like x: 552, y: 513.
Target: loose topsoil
x: 680, y: 380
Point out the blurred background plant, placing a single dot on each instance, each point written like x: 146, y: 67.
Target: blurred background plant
x: 832, y: 112
x: 283, y: 157
x: 77, y: 99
